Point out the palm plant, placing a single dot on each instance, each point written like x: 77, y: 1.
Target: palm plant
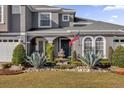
x: 36, y: 59
x: 90, y: 59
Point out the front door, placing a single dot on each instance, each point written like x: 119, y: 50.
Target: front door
x: 65, y: 46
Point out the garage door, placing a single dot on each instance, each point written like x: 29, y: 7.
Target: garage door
x: 6, y: 49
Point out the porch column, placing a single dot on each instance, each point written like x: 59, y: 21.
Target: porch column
x: 50, y: 42
x: 23, y: 40
x: 50, y: 39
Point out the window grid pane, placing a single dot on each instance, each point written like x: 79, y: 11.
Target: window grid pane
x: 88, y: 45
x: 44, y: 19
x: 65, y: 17
x: 99, y: 46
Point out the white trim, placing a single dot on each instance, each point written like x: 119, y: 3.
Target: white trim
x: 104, y: 43
x: 39, y: 20
x: 47, y: 8
x: 22, y: 33
x: 83, y: 43
x: 69, y: 11
x: 2, y: 14
x: 63, y: 17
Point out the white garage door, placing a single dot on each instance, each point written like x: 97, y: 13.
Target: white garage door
x: 6, y: 49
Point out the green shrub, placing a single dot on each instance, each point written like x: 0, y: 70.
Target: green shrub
x: 77, y: 63
x: 118, y: 57
x: 49, y: 52
x: 69, y: 59
x: 6, y: 65
x: 19, y: 55
x: 110, y: 54
x: 74, y: 56
x: 104, y: 63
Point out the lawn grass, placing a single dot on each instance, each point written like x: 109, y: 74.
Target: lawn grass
x: 52, y: 79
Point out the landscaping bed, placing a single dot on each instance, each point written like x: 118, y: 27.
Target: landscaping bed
x: 67, y: 68
x: 119, y: 71
x: 10, y: 72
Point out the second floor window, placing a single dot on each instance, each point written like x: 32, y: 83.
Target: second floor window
x: 1, y: 14
x: 65, y: 17
x: 44, y: 20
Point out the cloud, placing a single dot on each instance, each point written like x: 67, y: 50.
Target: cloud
x: 114, y: 16
x: 111, y: 20
x: 114, y: 7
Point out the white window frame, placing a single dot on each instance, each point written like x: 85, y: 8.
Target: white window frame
x: 83, y: 42
x: 2, y: 14
x: 93, y: 44
x: 39, y: 20
x: 104, y: 45
x: 63, y: 17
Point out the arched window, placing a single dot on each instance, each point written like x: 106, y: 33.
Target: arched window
x: 99, y: 46
x: 87, y: 45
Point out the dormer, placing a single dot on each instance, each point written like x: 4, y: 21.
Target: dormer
x: 51, y: 17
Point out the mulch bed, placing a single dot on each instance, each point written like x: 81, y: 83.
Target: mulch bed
x: 10, y: 72
x: 119, y: 71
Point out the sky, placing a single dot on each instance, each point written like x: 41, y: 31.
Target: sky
x: 109, y: 13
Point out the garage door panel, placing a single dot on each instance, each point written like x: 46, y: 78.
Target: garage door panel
x: 6, y: 51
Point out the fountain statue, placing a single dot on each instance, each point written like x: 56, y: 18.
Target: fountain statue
x: 61, y: 58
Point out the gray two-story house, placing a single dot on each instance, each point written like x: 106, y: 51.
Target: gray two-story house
x: 36, y: 25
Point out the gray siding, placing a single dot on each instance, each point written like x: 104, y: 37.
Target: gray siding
x: 28, y: 19
x: 34, y: 20
x: 55, y: 20
x: 5, y: 26
x: 66, y: 24
x: 15, y: 23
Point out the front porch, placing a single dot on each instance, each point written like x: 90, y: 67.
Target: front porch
x: 38, y: 44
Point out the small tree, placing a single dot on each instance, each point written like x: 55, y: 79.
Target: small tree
x: 110, y: 54
x: 19, y: 55
x: 118, y: 57
x: 74, y: 56
x: 49, y: 52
